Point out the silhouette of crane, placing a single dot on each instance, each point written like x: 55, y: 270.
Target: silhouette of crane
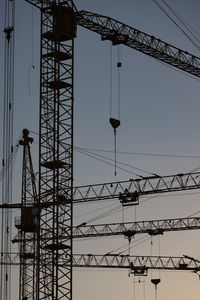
x: 54, y: 202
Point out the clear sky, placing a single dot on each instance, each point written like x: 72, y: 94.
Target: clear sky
x: 159, y: 114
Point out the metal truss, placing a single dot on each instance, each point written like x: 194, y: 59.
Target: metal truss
x: 58, y: 30
x: 119, y: 33
x: 136, y: 263
x: 143, y: 186
x: 115, y: 190
x: 130, y: 229
x: 27, y: 224
x: 115, y: 261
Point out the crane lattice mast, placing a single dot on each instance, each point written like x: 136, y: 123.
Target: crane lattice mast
x: 58, y: 30
x: 27, y: 223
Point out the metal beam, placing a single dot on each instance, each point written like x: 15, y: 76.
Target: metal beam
x: 135, y: 262
x: 119, y: 33
x: 130, y: 229
x: 112, y: 190
x: 143, y: 186
x: 116, y: 261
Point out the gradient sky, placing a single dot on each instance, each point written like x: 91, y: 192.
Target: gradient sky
x: 159, y: 114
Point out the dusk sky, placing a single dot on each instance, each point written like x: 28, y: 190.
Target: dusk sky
x: 160, y: 108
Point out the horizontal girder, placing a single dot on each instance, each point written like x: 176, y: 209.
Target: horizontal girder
x: 126, y: 261
x: 143, y: 186
x: 129, y: 229
x: 119, y: 33
x: 123, y: 262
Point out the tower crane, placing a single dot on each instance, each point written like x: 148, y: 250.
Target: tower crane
x: 54, y: 232
x: 139, y: 264
x: 28, y: 222
x: 151, y: 227
x: 128, y: 191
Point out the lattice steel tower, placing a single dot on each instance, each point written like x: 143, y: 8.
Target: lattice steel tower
x: 54, y: 238
x: 28, y: 223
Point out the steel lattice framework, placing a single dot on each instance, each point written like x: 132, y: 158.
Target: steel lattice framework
x: 119, y: 33
x: 137, y: 264
x: 26, y: 224
x: 143, y: 186
x: 58, y: 30
x: 130, y: 229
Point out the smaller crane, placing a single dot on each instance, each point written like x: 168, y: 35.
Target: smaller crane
x: 28, y: 223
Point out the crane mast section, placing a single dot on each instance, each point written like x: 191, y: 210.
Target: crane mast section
x: 119, y: 33
x: 58, y: 30
x: 153, y: 227
x: 143, y: 186
x: 27, y: 223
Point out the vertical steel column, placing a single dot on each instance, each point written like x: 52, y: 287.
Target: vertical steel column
x: 54, y: 239
x: 27, y: 224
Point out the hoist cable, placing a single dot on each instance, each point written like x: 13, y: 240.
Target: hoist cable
x: 110, y: 80
x: 31, y: 67
x: 119, y: 90
x: 159, y: 252
x: 115, y: 151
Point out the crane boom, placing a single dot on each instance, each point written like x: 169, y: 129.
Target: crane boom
x: 153, y: 227
x: 129, y: 229
x: 135, y: 262
x: 143, y: 186
x: 109, y: 261
x: 119, y: 33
